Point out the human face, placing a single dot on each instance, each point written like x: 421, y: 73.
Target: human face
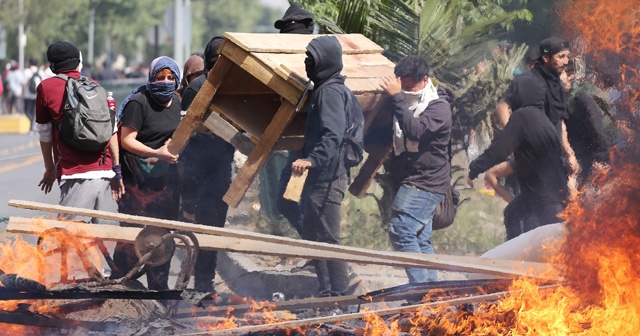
x: 556, y: 63
x: 164, y: 75
x: 409, y: 85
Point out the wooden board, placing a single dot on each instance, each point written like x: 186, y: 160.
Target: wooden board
x: 368, y: 171
x: 503, y: 268
x: 295, y: 186
x: 200, y: 107
x: 288, y: 88
x: 230, y: 134
x: 297, y: 43
x: 260, y: 154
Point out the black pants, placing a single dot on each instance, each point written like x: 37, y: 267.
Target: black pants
x: 291, y: 210
x: 30, y: 111
x: 321, y: 223
x: 526, y: 213
x: 155, y: 197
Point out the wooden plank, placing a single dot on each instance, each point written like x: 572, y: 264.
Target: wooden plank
x: 295, y: 186
x: 260, y: 154
x: 200, y: 106
x: 249, y: 329
x: 435, y: 261
x: 230, y: 134
x: 368, y: 171
x: 288, y: 89
x: 241, y: 82
x: 297, y: 43
x: 36, y: 226
x: 250, y: 245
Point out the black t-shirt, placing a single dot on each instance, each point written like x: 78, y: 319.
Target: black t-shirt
x: 155, y: 123
x: 191, y: 91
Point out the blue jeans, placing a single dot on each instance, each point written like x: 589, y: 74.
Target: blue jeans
x: 410, y: 226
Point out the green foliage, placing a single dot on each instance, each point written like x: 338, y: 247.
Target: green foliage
x: 123, y: 22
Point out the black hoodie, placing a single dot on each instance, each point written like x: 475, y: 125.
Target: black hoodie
x: 296, y: 20
x: 536, y: 146
x: 329, y: 101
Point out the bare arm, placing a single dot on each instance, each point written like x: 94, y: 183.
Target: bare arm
x: 503, y: 112
x: 50, y: 174
x: 493, y: 175
x: 131, y: 144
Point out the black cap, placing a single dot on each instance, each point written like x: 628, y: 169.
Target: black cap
x: 552, y: 45
x: 295, y: 13
x: 63, y: 56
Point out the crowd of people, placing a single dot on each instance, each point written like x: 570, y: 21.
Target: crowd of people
x: 546, y: 143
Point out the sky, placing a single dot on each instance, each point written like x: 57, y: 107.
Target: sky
x: 282, y: 4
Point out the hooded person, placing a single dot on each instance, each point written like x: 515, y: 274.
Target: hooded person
x: 296, y: 20
x: 148, y: 118
x: 537, y: 150
x: 205, y: 181
x: 193, y: 68
x: 273, y: 186
x: 330, y: 104
x: 84, y: 177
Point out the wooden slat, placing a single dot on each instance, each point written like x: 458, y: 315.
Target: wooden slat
x: 249, y: 329
x: 36, y: 226
x: 297, y: 43
x: 200, y: 106
x: 503, y: 268
x: 260, y: 154
x: 368, y: 171
x: 230, y: 134
x: 288, y: 89
x: 295, y: 186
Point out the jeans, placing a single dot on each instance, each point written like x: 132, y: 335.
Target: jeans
x: 410, y: 226
x: 321, y: 223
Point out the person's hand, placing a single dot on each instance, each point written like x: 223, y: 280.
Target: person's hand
x: 470, y: 182
x: 391, y: 84
x: 163, y: 154
x: 47, y: 180
x: 117, y: 188
x: 300, y: 165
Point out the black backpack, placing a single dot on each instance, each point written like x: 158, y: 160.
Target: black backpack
x: 354, y: 134
x: 87, y: 123
x: 32, y: 85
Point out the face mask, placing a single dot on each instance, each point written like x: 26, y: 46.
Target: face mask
x: 162, y: 92
x: 412, y: 97
x: 309, y: 66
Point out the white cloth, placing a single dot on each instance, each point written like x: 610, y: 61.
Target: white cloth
x: 418, y: 103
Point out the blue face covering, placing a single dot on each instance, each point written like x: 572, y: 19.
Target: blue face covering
x: 161, y: 92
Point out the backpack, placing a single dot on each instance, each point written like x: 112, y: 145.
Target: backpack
x: 32, y: 84
x: 446, y: 211
x: 87, y: 123
x: 353, y: 136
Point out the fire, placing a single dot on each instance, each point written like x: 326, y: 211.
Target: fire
x: 44, y: 265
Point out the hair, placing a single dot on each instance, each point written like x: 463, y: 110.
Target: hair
x: 412, y: 66
x: 33, y: 61
x: 211, y: 52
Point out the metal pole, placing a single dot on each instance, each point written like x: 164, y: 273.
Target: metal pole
x: 187, y: 29
x: 22, y: 39
x: 178, y: 44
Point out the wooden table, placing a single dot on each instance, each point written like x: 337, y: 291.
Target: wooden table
x: 257, y: 87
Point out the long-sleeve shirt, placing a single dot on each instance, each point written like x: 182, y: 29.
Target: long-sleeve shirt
x: 537, y: 149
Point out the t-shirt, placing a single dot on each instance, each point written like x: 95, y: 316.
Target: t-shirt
x: 154, y: 123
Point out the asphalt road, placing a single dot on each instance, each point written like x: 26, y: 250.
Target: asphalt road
x: 21, y: 169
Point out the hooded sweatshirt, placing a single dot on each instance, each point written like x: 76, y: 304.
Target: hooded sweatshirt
x: 329, y: 101
x: 536, y: 146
